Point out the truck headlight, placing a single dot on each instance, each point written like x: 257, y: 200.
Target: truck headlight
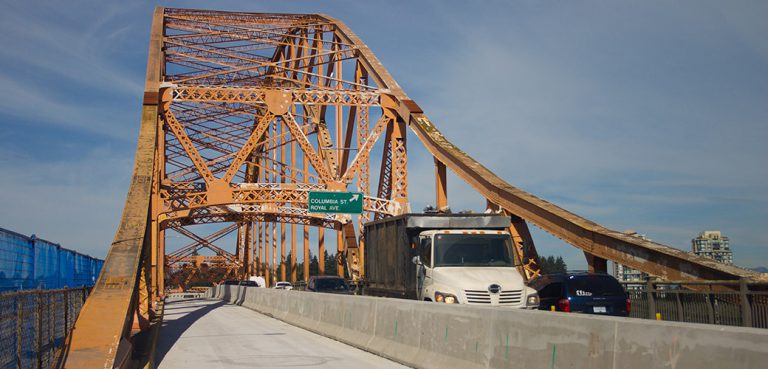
x: 533, y: 300
x: 446, y: 298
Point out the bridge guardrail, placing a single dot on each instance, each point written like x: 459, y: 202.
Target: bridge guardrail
x: 430, y: 335
x: 735, y: 303
x: 35, y: 323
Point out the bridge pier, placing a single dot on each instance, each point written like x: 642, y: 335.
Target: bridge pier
x: 596, y: 264
x: 441, y: 186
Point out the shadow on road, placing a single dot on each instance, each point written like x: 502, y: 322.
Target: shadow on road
x: 189, y: 311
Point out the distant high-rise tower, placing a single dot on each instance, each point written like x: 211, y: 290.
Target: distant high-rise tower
x: 713, y: 245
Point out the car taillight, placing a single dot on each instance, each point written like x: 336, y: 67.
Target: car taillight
x: 629, y: 306
x: 564, y: 305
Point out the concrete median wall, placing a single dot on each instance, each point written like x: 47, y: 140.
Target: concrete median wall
x: 430, y: 335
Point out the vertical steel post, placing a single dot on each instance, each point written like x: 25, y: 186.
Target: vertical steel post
x: 39, y: 328
x: 651, y: 299
x: 239, y: 247
x: 282, y: 251
x: 19, y: 336
x: 710, y: 309
x: 51, y: 322
x: 399, y: 173
x: 161, y: 263
x: 259, y: 258
x: 66, y: 311
x: 321, y: 251
x: 293, y: 253
x: 282, y: 139
x: 746, y: 310
x: 339, y: 251
x: 247, y: 262
x: 294, y: 179
x: 680, y: 312
x: 268, y: 273
x: 254, y: 256
x: 274, y: 253
x: 441, y: 186
x: 306, y: 253
x: 305, y: 171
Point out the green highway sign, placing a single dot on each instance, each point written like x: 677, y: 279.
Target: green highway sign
x: 335, y: 202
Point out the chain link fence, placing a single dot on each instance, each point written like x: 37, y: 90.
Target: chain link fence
x: 35, y: 323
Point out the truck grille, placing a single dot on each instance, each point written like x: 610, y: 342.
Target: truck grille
x: 510, y: 297
x: 478, y: 297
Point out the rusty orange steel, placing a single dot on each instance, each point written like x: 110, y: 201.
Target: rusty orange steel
x: 243, y: 115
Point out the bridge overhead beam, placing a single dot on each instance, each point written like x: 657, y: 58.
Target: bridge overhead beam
x: 650, y: 257
x: 657, y: 259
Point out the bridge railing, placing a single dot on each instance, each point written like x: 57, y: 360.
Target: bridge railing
x: 734, y: 303
x: 35, y: 323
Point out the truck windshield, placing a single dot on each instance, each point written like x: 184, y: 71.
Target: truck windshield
x: 473, y: 250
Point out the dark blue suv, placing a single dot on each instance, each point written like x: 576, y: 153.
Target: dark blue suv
x: 587, y: 293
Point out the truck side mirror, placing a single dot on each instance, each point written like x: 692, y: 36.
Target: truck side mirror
x: 416, y: 260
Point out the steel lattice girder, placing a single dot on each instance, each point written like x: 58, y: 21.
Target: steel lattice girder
x: 263, y: 193
x: 222, y: 73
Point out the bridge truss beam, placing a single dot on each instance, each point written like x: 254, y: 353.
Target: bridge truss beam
x: 243, y: 115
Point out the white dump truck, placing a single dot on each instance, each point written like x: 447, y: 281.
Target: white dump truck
x: 447, y: 258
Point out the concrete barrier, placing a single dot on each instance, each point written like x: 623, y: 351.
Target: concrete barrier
x: 431, y: 335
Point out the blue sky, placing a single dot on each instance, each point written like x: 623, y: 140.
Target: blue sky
x: 651, y: 116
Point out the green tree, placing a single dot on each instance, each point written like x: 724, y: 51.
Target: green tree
x: 314, y: 265
x: 330, y: 263
x: 551, y: 264
x: 560, y: 266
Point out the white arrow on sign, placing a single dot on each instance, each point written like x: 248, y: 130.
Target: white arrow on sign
x: 354, y: 197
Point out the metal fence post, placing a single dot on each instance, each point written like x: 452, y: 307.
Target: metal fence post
x: 710, y: 309
x: 39, y: 329
x: 651, y: 299
x: 66, y: 311
x: 746, y: 311
x: 19, y: 337
x: 680, y: 312
x: 51, y: 325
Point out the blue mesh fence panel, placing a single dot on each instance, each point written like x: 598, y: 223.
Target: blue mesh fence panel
x: 27, y: 262
x: 16, y: 261
x: 67, y: 268
x: 80, y: 269
x: 46, y: 264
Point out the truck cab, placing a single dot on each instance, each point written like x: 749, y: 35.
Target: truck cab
x: 470, y: 266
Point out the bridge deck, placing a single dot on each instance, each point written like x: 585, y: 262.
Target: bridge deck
x: 205, y: 333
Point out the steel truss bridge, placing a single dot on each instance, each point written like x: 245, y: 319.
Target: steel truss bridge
x: 243, y: 114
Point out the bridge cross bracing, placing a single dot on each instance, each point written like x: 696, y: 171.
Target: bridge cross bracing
x: 245, y: 113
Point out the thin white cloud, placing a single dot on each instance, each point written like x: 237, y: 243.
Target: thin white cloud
x: 24, y: 103
x: 62, y: 49
x: 623, y: 113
